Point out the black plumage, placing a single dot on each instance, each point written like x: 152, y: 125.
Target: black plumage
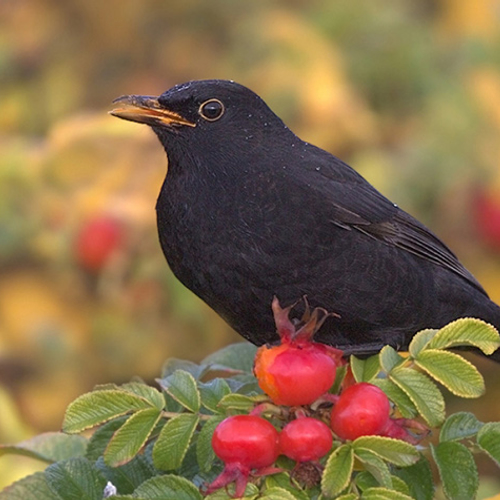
x: 248, y: 211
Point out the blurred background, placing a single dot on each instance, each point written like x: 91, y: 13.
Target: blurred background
x: 407, y: 92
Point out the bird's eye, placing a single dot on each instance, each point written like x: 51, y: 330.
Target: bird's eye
x: 211, y: 110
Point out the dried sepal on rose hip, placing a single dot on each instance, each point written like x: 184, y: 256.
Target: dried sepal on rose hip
x: 363, y: 409
x: 297, y: 371
x: 245, y: 443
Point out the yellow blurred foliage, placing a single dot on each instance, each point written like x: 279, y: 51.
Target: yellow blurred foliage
x: 30, y: 307
x: 13, y: 430
x: 485, y: 83
x: 478, y: 18
x: 97, y: 161
x: 318, y: 77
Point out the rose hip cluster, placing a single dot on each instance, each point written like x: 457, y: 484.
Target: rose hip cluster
x: 295, y: 374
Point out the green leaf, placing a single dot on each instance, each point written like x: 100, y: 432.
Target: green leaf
x: 375, y: 466
x: 33, y: 487
x: 277, y: 493
x: 365, y: 480
x: 419, y: 479
x: 251, y: 493
x: 365, y: 370
x: 236, y: 357
x: 131, y: 437
x: 237, y: 402
x: 189, y: 467
x: 391, y: 450
x: 101, y: 437
x: 126, y: 497
x: 128, y: 477
x: 174, y: 364
x: 339, y: 379
x: 397, y: 396
x: 488, y: 439
x: 424, y: 394
x: 181, y: 385
x: 168, y: 487
x: 380, y: 493
x: 147, y: 392
x: 420, y: 341
x: 458, y: 375
x: 457, y: 470
x: 173, y: 441
x: 348, y: 496
x: 338, y: 470
x: 284, y: 481
x: 459, y: 426
x: 212, y: 392
x: 75, y: 479
x: 399, y: 485
x: 389, y: 358
x: 49, y: 447
x: 467, y: 332
x: 204, y: 451
x: 95, y: 408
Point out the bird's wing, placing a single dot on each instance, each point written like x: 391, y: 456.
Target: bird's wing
x: 356, y: 204
x: 405, y: 232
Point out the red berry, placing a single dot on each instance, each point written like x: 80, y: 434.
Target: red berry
x: 305, y: 439
x: 362, y: 410
x: 96, y: 242
x: 487, y: 218
x: 250, y: 441
x: 294, y: 375
x: 298, y: 371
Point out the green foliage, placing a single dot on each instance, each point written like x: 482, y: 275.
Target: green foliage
x: 129, y: 439
x: 338, y: 470
x: 75, y: 478
x: 49, y: 447
x: 418, y: 477
x: 141, y: 432
x: 423, y: 393
x: 173, y: 442
x: 457, y: 470
x: 488, y: 439
x: 95, y: 408
x: 459, y: 426
x: 365, y: 370
x: 394, y: 451
x: 181, y: 385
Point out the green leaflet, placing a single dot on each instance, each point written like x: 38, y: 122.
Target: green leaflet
x: 424, y: 394
x: 128, y: 440
x: 453, y: 371
x: 457, y: 470
x: 173, y: 442
x: 338, y: 470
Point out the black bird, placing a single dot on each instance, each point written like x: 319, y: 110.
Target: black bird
x: 248, y: 211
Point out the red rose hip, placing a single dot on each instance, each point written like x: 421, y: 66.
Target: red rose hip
x: 247, y: 440
x: 292, y: 375
x: 305, y: 439
x: 362, y: 410
x: 298, y: 371
x: 243, y: 443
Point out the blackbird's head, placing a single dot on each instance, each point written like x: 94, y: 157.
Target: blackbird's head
x: 203, y: 116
